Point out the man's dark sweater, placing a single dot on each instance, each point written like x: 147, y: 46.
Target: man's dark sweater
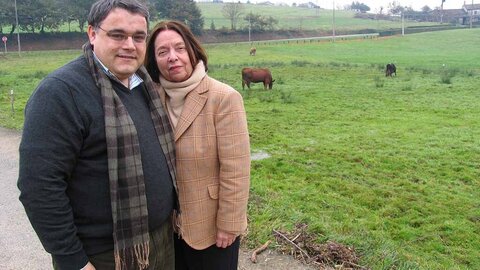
x: 63, y: 175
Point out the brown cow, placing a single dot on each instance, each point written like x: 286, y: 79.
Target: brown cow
x: 256, y: 75
x: 253, y: 51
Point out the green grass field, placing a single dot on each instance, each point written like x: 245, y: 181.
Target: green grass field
x: 389, y: 166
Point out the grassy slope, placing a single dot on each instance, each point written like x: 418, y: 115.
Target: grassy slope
x: 299, y: 18
x: 388, y: 165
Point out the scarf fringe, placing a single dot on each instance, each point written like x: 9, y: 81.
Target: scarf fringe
x: 138, y: 253
x: 177, y: 223
x: 141, y: 254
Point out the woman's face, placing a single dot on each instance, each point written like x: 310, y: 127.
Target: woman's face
x: 172, y: 57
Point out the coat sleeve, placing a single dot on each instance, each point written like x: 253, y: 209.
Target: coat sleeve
x: 234, y: 158
x: 51, y: 141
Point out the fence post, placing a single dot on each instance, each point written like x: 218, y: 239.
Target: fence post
x: 12, y: 101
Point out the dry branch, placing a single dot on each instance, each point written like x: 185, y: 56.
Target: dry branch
x: 259, y: 250
x: 292, y: 243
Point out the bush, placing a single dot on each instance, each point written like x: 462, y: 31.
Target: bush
x: 407, y: 87
x: 286, y: 97
x: 300, y: 63
x: 446, y: 75
x: 267, y: 98
x: 379, y: 83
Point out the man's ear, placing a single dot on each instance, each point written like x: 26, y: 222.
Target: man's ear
x: 92, y: 35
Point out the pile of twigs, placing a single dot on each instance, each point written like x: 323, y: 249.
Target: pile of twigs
x: 329, y: 255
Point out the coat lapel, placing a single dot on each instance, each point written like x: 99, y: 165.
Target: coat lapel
x: 194, y: 103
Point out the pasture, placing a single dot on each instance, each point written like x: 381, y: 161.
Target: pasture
x: 297, y: 18
x: 389, y: 166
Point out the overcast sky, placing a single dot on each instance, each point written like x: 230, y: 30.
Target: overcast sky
x: 374, y: 4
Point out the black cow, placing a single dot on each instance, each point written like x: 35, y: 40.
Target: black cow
x: 390, y: 69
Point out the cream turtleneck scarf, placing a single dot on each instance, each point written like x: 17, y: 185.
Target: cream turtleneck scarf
x: 177, y: 91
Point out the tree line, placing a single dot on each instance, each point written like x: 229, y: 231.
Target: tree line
x: 36, y: 16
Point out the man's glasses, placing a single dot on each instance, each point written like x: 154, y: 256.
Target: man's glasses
x: 122, y: 36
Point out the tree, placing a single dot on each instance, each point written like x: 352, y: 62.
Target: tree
x: 359, y: 6
x: 380, y: 10
x: 51, y: 15
x: 77, y: 10
x: 164, y: 7
x: 39, y: 14
x: 212, y: 26
x: 395, y: 8
x: 182, y: 10
x: 259, y: 23
x: 232, y: 11
x: 426, y: 9
x: 7, y: 15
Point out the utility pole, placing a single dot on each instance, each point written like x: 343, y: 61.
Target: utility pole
x: 441, y: 12
x: 249, y: 26
x: 18, y: 28
x: 333, y: 21
x: 403, y: 23
x: 471, y: 16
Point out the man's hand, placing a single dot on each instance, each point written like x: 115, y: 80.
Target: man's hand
x: 89, y: 266
x: 225, y: 239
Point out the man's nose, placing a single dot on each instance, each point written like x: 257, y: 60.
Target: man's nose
x: 129, y: 42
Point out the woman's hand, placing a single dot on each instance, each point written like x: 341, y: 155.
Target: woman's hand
x: 225, y: 239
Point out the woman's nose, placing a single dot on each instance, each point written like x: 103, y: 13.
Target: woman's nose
x: 172, y: 56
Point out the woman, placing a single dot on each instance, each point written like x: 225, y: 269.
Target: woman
x: 212, y: 149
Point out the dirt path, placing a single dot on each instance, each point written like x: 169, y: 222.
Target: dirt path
x: 20, y: 248
x: 19, y: 245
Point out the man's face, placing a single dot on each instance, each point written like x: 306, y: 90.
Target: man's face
x: 122, y: 57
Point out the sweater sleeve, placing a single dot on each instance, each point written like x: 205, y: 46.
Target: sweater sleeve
x: 234, y: 157
x: 51, y: 141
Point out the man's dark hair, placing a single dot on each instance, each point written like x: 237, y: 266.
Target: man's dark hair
x: 100, y: 10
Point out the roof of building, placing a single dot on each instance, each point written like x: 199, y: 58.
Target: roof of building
x: 470, y: 7
x: 451, y: 12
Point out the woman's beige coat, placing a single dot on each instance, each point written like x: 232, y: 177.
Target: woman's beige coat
x: 213, y: 163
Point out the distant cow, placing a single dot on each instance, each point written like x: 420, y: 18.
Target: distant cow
x: 256, y: 75
x: 390, y: 69
x: 253, y: 51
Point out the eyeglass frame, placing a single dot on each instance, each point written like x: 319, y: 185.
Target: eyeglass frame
x: 120, y: 36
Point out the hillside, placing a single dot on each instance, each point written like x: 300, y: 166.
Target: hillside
x: 293, y: 22
x: 297, y: 18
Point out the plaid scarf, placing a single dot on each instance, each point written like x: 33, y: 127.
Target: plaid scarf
x: 127, y: 187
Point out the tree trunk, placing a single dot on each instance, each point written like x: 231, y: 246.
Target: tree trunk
x: 13, y: 29
x: 81, y: 24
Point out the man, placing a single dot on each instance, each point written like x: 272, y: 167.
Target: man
x: 97, y: 175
